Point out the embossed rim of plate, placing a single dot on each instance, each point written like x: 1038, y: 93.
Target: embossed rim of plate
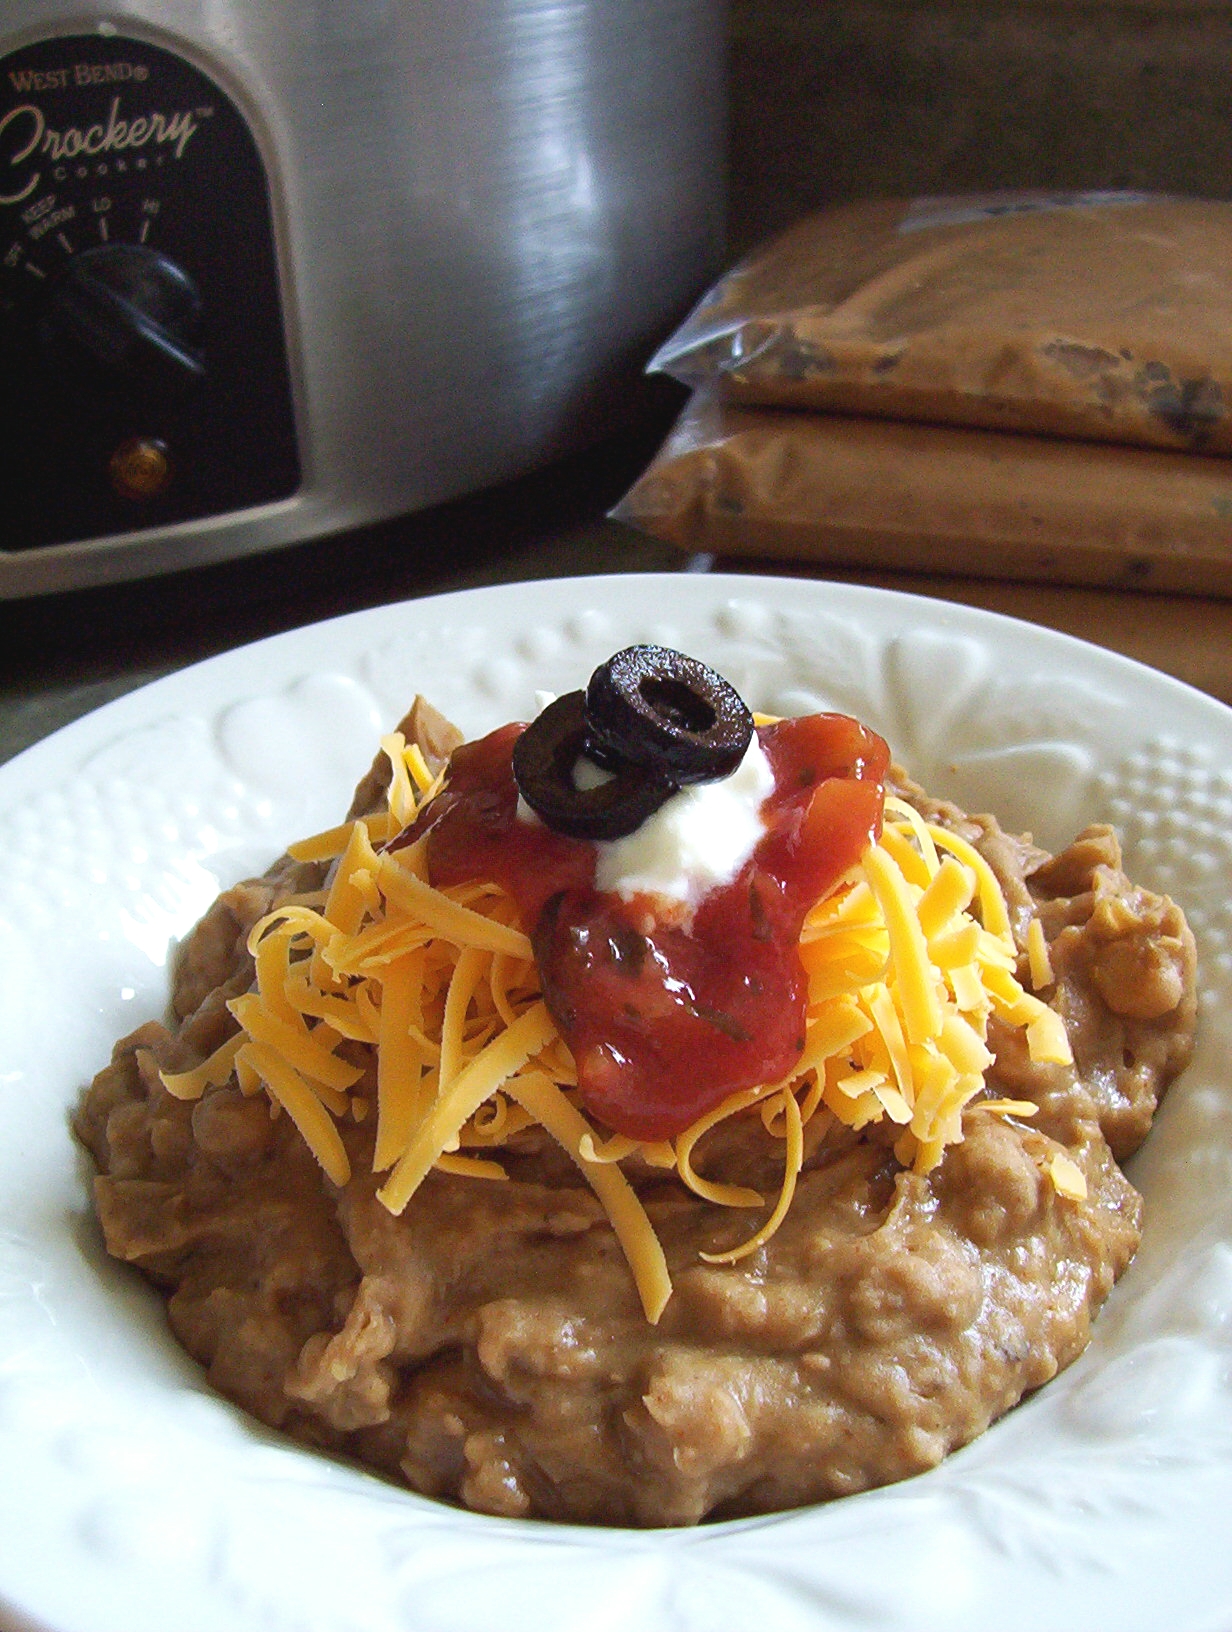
x: 144, y: 1502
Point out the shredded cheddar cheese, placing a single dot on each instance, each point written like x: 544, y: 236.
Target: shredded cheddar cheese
x: 387, y: 993
x: 1067, y: 1177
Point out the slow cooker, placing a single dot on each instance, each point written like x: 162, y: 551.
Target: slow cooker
x: 269, y: 271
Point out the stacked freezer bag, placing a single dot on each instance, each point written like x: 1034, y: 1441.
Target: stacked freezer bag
x: 1019, y: 385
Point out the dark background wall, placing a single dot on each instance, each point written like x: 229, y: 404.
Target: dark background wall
x: 841, y: 99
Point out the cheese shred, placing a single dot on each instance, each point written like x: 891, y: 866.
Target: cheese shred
x: 385, y: 991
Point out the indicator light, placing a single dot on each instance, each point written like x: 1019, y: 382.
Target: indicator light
x: 140, y: 468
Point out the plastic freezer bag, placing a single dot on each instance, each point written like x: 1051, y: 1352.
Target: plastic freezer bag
x: 1098, y: 315
x: 864, y: 492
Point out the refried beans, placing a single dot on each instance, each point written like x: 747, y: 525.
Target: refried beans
x: 487, y: 1345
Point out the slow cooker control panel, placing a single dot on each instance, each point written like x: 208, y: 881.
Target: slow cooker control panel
x: 144, y: 378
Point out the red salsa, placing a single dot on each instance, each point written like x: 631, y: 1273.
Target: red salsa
x: 665, y: 1021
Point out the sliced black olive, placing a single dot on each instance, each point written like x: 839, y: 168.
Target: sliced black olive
x: 654, y: 706
x: 544, y: 760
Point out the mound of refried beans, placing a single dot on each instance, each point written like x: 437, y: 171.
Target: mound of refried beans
x: 488, y: 1346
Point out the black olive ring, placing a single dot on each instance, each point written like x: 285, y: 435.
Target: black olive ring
x: 545, y: 757
x: 654, y: 706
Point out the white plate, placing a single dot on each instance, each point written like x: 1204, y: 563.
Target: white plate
x: 132, y: 1500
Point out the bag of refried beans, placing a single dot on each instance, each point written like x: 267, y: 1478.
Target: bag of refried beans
x: 1105, y: 316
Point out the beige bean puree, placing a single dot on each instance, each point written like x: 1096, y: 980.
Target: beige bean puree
x: 488, y: 1346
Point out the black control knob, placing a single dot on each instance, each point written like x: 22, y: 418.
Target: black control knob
x: 125, y: 318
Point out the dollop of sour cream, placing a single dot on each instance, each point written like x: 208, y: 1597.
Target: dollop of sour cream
x: 697, y: 840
